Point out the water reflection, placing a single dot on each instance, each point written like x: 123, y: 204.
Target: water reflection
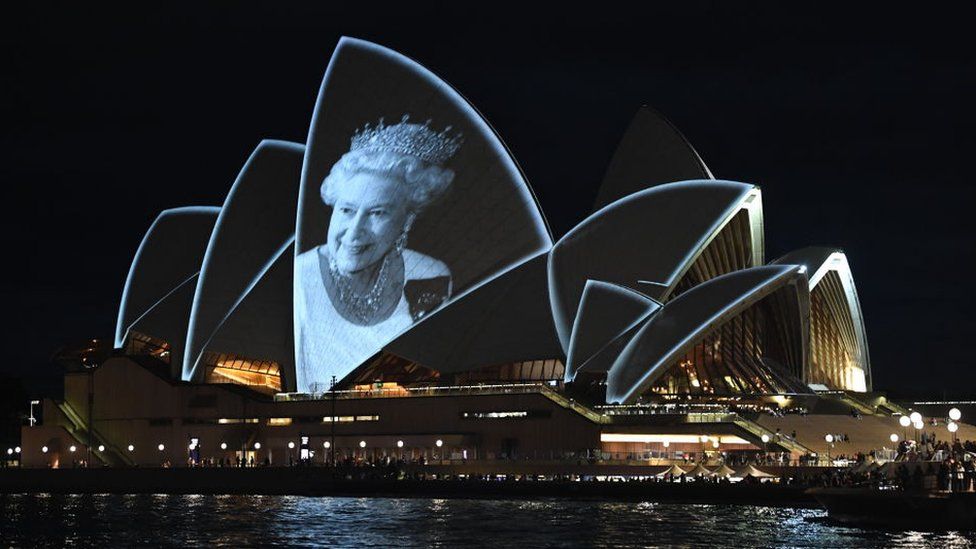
x: 249, y: 521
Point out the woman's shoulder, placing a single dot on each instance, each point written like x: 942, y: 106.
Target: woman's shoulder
x: 419, y: 266
x: 308, y: 260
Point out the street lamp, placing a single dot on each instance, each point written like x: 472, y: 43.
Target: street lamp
x: 17, y: 449
x: 893, y: 437
x: 33, y: 420
x: 915, y: 417
x: 332, y: 424
x: 953, y: 427
x: 955, y: 414
x: 291, y: 445
x: 72, y: 448
x: 161, y: 447
x: 257, y: 445
x: 101, y: 447
x: 43, y: 449
x: 830, y: 442
x: 223, y: 445
x: 131, y: 448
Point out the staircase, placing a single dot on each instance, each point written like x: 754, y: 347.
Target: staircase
x: 79, y: 430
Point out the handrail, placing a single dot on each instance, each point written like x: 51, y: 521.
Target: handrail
x: 79, y: 424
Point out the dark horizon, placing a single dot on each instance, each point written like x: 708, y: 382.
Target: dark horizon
x: 855, y: 125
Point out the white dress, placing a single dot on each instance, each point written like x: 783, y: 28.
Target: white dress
x: 326, y: 344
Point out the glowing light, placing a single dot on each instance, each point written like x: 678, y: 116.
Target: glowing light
x: 223, y: 445
x: 44, y: 449
x: 131, y: 447
x: 17, y: 450
x: 703, y: 439
x: 161, y: 447
x: 73, y: 448
x: 10, y: 451
x: 893, y: 437
x: 955, y: 414
x: 399, y: 444
x: 829, y: 438
x: 327, y: 445
x: 905, y: 421
x: 666, y: 443
x: 952, y: 426
x: 362, y: 443
x: 101, y: 447
x: 257, y: 445
x: 649, y: 437
x: 715, y: 444
x: 765, y: 438
x: 291, y: 445
x: 915, y: 417
x: 439, y: 443
x: 918, y: 425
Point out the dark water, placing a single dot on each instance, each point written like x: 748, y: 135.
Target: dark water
x: 178, y: 521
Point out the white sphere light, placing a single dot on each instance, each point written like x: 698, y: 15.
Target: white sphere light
x: 223, y: 445
x: 905, y: 421
x: 439, y: 443
x: 362, y: 443
x: 17, y: 450
x: 893, y: 437
x: 327, y: 445
x: 715, y: 443
x: 667, y: 443
x: 10, y: 451
x: 44, y: 449
x: 291, y: 445
x: 73, y: 448
x: 765, y: 438
x: 101, y: 447
x: 952, y: 426
x: 161, y: 447
x: 399, y: 444
x: 955, y: 414
x: 829, y: 438
x: 915, y: 417
x: 257, y: 445
x: 918, y: 425
x: 131, y: 447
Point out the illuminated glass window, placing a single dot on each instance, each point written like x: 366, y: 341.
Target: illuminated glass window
x: 279, y: 421
x: 505, y: 414
x: 142, y: 344
x: 350, y: 419
x: 260, y: 375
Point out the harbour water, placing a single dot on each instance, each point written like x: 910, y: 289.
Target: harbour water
x: 248, y: 521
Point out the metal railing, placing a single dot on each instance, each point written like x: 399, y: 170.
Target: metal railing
x: 79, y: 430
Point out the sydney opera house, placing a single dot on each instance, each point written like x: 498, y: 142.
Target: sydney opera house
x: 391, y: 288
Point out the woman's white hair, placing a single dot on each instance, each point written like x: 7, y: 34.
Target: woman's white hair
x: 424, y: 182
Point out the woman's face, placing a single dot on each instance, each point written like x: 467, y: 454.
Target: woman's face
x: 368, y: 217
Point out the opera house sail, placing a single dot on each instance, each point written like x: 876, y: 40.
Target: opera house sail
x: 402, y: 252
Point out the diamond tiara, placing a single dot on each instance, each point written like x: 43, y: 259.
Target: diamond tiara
x: 411, y: 139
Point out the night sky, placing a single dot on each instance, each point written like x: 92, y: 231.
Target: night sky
x: 858, y: 126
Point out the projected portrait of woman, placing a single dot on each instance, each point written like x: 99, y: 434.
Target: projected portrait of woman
x: 364, y: 285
